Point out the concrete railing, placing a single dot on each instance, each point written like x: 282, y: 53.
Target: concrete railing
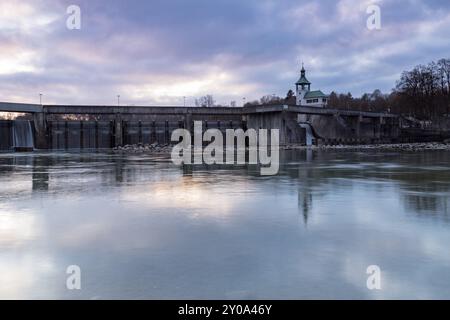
x: 20, y: 107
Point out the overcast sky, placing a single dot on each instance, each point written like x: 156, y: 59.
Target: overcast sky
x: 156, y: 52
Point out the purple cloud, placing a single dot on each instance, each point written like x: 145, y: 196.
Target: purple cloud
x: 156, y: 52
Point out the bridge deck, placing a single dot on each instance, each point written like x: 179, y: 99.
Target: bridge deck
x: 85, y: 109
x: 61, y: 109
x: 20, y: 107
x: 316, y: 111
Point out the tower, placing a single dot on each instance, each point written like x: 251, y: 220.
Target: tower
x: 303, y: 86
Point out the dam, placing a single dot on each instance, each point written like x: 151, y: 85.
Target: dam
x: 101, y: 127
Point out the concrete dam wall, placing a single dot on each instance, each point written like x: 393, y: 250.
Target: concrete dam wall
x: 6, y: 138
x: 334, y: 129
x: 104, y: 134
x: 98, y: 127
x: 16, y: 134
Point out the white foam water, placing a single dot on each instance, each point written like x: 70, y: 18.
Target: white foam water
x: 22, y: 134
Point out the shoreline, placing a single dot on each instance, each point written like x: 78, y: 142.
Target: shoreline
x: 418, y: 146
x: 167, y: 149
x: 143, y: 148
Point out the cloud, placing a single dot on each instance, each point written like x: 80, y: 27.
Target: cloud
x: 159, y: 51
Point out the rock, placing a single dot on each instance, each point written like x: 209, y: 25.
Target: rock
x: 141, y: 148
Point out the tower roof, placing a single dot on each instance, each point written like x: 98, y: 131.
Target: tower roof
x: 303, y: 80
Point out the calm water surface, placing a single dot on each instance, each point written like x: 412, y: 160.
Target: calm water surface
x: 140, y: 227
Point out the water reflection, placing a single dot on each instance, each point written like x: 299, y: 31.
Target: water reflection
x: 140, y: 227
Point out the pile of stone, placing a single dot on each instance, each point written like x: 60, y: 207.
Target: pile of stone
x: 397, y: 147
x: 144, y: 148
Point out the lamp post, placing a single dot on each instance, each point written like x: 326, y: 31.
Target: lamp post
x: 118, y: 100
x: 40, y: 99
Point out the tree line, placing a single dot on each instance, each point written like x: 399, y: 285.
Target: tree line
x: 422, y: 93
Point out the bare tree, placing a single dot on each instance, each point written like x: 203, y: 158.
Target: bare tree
x: 270, y: 99
x: 205, y: 101
x: 424, y: 91
x: 290, y: 98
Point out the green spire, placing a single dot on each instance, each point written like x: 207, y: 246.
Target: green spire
x: 303, y: 80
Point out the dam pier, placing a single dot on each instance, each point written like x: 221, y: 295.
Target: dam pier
x: 101, y: 127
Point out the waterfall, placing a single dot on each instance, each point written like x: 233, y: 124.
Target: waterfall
x: 309, y: 133
x: 22, y: 135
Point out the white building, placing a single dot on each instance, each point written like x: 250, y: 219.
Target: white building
x: 306, y: 97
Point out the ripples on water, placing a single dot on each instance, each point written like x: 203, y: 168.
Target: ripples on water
x: 140, y: 227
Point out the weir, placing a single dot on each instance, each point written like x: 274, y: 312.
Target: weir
x: 23, y: 139
x: 16, y: 135
x: 97, y: 127
x: 309, y: 133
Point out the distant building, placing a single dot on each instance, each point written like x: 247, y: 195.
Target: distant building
x: 306, y: 97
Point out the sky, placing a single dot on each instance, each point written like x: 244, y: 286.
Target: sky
x: 157, y: 52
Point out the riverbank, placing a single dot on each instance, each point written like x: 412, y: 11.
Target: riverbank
x: 144, y: 148
x: 166, y: 148
x: 392, y: 147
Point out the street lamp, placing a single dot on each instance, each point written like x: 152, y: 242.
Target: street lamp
x: 40, y: 99
x: 118, y: 100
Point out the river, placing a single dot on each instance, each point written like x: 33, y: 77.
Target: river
x: 141, y: 227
